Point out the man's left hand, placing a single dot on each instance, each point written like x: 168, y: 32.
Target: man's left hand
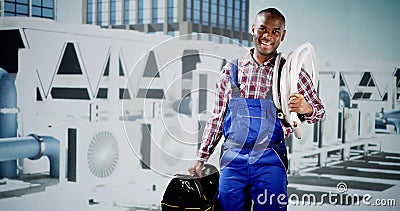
x: 297, y: 103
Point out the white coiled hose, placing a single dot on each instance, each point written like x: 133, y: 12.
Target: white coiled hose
x: 302, y: 57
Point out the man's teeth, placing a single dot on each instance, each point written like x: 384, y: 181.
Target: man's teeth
x: 265, y: 43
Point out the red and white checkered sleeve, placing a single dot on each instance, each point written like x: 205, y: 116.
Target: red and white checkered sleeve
x: 307, y: 89
x: 213, y: 130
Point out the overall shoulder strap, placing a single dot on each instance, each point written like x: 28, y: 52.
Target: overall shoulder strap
x: 234, y: 79
x: 281, y: 63
x: 279, y: 112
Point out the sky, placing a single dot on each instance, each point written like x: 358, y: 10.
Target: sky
x: 348, y: 35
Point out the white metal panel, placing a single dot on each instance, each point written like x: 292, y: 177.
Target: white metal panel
x: 306, y: 141
x: 351, y: 124
x: 96, y: 149
x: 329, y: 95
x: 95, y: 53
x: 367, y: 124
x: 174, y: 144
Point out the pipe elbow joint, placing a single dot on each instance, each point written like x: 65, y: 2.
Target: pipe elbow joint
x: 52, y: 151
x: 49, y: 147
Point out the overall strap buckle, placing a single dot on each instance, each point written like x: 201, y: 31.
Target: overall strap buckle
x: 234, y: 79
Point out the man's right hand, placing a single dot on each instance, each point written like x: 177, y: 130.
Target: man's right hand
x: 197, y: 168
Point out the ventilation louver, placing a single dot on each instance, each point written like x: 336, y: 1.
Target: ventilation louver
x: 103, y: 154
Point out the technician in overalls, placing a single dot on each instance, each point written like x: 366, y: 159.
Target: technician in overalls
x: 253, y: 157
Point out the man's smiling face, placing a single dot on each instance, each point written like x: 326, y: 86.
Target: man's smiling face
x: 268, y: 32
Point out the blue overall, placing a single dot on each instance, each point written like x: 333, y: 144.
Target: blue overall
x: 253, y: 157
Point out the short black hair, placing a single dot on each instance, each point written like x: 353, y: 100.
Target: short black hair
x: 273, y: 11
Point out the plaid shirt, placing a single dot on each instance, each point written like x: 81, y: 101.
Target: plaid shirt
x: 255, y: 81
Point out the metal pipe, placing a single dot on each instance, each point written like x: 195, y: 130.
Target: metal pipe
x: 32, y: 147
x: 8, y: 106
x: 8, y: 118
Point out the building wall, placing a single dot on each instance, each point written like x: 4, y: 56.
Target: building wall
x: 69, y: 11
x: 228, y: 18
x: 29, y: 8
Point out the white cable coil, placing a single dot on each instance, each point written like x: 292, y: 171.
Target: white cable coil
x: 303, y: 57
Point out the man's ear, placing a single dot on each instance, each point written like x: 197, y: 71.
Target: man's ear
x: 252, y: 29
x: 283, y: 35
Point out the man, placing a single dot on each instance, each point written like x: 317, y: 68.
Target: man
x: 253, y: 157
